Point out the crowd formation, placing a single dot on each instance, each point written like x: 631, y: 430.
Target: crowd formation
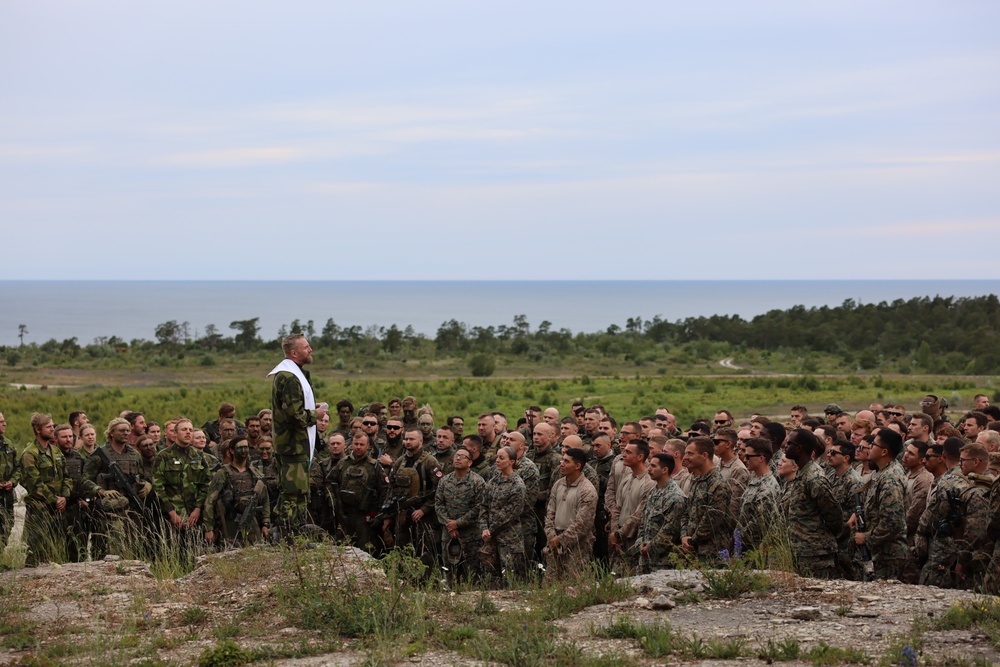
x: 885, y: 493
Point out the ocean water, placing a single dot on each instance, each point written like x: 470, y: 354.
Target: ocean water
x: 90, y: 309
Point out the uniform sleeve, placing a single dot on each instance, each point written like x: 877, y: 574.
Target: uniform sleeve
x: 292, y: 402
x: 471, y: 517
x: 889, y: 521
x: 550, y: 515
x: 439, y: 505
x: 829, y: 511
x: 918, y: 503
x: 159, y: 485
x: 212, y: 497
x: 630, y: 526
x: 31, y: 480
x: 667, y: 536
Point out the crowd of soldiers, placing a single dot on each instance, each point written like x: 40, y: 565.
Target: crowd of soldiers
x: 885, y: 493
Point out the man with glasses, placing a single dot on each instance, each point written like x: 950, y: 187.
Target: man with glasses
x: 723, y: 419
x: 975, y: 547
x: 886, y: 500
x: 457, y: 502
x: 812, y: 514
x: 935, y: 547
x: 457, y: 426
x: 758, y: 513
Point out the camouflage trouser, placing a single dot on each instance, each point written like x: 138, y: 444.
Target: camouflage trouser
x: 529, y: 535
x: 939, y: 570
x: 292, y: 511
x: 823, y: 566
x: 991, y: 584
x: 510, y: 548
x: 889, y: 568
x: 566, y: 562
x: 354, y: 526
x: 467, y: 567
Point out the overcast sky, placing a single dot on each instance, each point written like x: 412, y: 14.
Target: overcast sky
x: 437, y: 140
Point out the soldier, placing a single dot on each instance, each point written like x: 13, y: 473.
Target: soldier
x: 253, y: 435
x: 267, y: 466
x: 294, y: 423
x: 992, y: 583
x: 886, y: 500
x: 358, y: 485
x: 547, y: 461
x: 425, y: 422
x: 918, y: 483
x: 147, y: 451
x: 457, y: 425
x: 392, y: 446
x: 238, y: 496
x: 500, y: 519
x: 632, y: 487
x: 78, y: 502
x: 213, y: 429
x: 707, y: 526
x: 10, y: 475
x: 730, y: 467
x: 181, y: 476
x: 487, y: 431
x: 569, y: 518
x: 266, y: 422
x: 480, y: 464
x: 345, y: 412
x: 137, y: 421
x: 974, y: 544
x: 528, y: 472
x: 603, y: 458
x: 444, y: 449
x: 321, y: 498
x: 371, y: 427
x: 846, y: 482
x: 935, y: 550
x: 758, y: 514
x: 43, y: 476
x: 412, y: 481
x: 86, y: 443
x: 457, y: 501
x: 320, y: 451
x: 812, y: 515
x: 662, y: 514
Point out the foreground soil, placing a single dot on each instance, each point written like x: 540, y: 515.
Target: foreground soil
x: 117, y: 612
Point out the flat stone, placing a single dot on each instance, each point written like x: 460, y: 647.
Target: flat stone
x: 805, y: 613
x: 643, y: 603
x: 112, y: 558
x: 869, y: 598
x: 663, y: 602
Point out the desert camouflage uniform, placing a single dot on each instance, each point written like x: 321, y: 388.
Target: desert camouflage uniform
x: 576, y: 541
x: 181, y: 477
x: 503, y: 499
x: 758, y: 510
x: 289, y: 432
x: 660, y: 529
x: 229, y: 495
x: 814, y: 521
x: 460, y: 499
x: 43, y: 475
x: 886, y: 500
x: 10, y: 471
x: 935, y: 545
x: 707, y: 520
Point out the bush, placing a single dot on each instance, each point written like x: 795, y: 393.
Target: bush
x: 482, y: 365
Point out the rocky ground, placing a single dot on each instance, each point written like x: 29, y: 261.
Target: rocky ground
x: 116, y: 612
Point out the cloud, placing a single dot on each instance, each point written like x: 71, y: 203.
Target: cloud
x: 931, y: 227
x: 15, y: 153
x: 236, y: 157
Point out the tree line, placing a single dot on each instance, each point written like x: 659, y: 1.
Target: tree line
x: 933, y: 335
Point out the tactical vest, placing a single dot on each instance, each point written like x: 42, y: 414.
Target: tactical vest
x: 243, y: 485
x: 354, y: 483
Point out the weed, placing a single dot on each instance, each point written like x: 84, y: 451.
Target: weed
x: 227, y: 631
x: 824, y: 654
x: 657, y: 640
x: 225, y: 654
x: 194, y: 615
x: 785, y: 650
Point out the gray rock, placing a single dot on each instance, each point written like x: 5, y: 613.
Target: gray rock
x: 805, y: 613
x: 663, y: 602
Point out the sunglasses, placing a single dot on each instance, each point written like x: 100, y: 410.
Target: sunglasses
x: 393, y: 428
x: 370, y: 423
x: 721, y: 421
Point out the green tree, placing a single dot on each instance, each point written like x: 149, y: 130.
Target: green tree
x: 247, y: 337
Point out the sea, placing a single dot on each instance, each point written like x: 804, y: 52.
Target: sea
x: 89, y: 310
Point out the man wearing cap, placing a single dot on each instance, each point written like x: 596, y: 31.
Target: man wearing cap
x: 832, y: 411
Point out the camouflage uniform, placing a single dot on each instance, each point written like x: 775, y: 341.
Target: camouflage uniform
x: 444, y: 459
x: 814, y: 522
x: 528, y: 472
x: 886, y: 501
x: 601, y: 518
x: 79, y: 522
x: 10, y: 471
x: 43, y: 475
x: 576, y: 541
x: 503, y: 499
x: 935, y: 546
x: 848, y: 553
x: 758, y: 510
x: 547, y: 463
x: 736, y: 473
x: 975, y: 546
x: 320, y: 498
x: 269, y: 471
x: 411, y: 477
x: 229, y: 495
x: 360, y: 486
x: 660, y: 529
x: 460, y: 499
x: 707, y: 520
x: 181, y: 476
x: 289, y: 431
x: 992, y: 582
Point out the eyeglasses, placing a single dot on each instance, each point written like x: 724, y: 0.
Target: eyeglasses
x: 750, y: 456
x: 892, y: 414
x: 835, y: 453
x: 370, y: 423
x: 967, y: 460
x: 719, y: 441
x: 721, y: 421
x: 462, y: 456
x: 929, y: 455
x: 393, y: 428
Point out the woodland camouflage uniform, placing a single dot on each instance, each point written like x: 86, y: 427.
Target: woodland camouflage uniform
x: 660, y: 529
x: 814, y: 521
x: 503, y: 499
x: 707, y: 520
x: 181, y: 476
x: 291, y: 448
x: 43, y: 475
x: 758, y: 510
x: 460, y: 499
x: 887, y: 498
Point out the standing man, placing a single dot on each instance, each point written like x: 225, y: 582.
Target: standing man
x: 43, y: 475
x: 294, y: 413
x: 707, y: 526
x: 813, y: 516
x: 663, y: 512
x: 456, y: 505
x: 444, y: 449
x: 632, y: 487
x: 569, y: 518
x: 730, y: 467
x: 10, y: 475
x: 758, y: 514
x: 886, y: 501
x: 181, y: 476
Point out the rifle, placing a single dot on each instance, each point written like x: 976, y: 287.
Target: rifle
x: 121, y: 481
x: 248, y: 514
x: 867, y: 566
x: 946, y: 526
x: 394, y: 506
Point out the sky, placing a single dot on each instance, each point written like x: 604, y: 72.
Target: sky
x: 455, y: 140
